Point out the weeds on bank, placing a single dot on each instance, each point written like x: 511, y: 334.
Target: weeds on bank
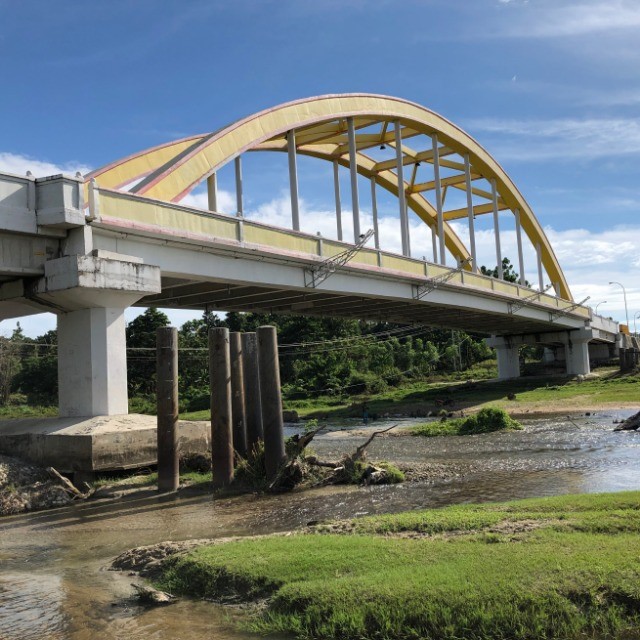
x: 487, y: 420
x: 573, y: 575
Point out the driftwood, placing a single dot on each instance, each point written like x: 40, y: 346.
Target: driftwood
x: 293, y: 471
x: 346, y: 471
x: 630, y: 424
x: 151, y: 596
x: 298, y: 443
x: 67, y: 485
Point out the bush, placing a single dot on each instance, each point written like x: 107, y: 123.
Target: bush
x: 487, y: 420
x: 199, y: 401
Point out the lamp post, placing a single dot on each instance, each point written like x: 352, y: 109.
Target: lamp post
x: 624, y: 293
x: 635, y: 327
x: 599, y: 303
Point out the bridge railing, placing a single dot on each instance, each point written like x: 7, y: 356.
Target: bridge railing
x: 196, y: 225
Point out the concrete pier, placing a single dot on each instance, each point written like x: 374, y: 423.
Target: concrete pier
x: 271, y: 397
x: 221, y: 415
x: 253, y: 405
x: 167, y: 408
x: 237, y: 395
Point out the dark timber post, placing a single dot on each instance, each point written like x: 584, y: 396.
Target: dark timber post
x: 237, y: 396
x: 253, y: 406
x: 220, y: 382
x: 167, y: 407
x: 271, y: 397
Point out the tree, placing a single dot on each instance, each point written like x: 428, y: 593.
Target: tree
x: 141, y: 356
x: 38, y: 374
x: 10, y: 361
x: 508, y: 272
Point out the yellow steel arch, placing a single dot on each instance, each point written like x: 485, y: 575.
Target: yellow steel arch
x: 171, y: 171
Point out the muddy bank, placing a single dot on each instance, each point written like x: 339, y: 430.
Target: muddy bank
x: 27, y: 487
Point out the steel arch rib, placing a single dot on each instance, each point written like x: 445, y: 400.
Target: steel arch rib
x: 171, y: 171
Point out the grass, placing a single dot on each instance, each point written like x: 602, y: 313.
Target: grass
x: 564, y: 567
x: 531, y: 393
x: 27, y: 411
x: 148, y: 479
x: 487, y: 420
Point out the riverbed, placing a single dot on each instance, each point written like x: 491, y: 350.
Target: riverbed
x: 54, y: 581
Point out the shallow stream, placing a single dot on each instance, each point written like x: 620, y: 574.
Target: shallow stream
x: 54, y: 583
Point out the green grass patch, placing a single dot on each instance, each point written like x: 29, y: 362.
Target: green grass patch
x: 27, y: 411
x: 574, y: 574
x: 147, y: 479
x: 609, y: 387
x: 487, y: 420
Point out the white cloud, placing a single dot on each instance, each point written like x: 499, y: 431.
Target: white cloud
x: 566, y: 19
x: 226, y: 201
x: 560, y: 138
x: 19, y: 164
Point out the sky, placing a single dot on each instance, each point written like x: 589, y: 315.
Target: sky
x: 550, y: 88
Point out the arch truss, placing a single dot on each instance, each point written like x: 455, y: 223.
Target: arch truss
x: 402, y: 147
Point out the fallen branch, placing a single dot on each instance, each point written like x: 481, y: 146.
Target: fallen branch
x: 360, y: 450
x: 67, y: 485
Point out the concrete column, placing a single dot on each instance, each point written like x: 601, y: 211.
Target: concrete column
x: 577, y: 356
x: 438, y: 189
x: 496, y: 227
x: 271, y: 396
x: 353, y: 166
x: 519, y: 241
x: 220, y: 382
x: 540, y: 273
x: 253, y: 406
x: 470, y: 216
x: 92, y: 362
x: 434, y: 244
x: 237, y: 395
x: 336, y: 189
x: 508, y: 358
x: 293, y: 180
x: 212, y: 192
x: 167, y: 408
x: 402, y: 198
x: 239, y: 196
x: 374, y: 212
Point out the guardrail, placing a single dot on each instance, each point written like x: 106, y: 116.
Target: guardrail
x: 218, y: 226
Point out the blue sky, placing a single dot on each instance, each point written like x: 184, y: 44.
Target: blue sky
x: 550, y: 88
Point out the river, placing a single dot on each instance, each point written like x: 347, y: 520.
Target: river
x: 54, y: 582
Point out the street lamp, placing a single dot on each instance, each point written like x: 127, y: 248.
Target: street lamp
x: 635, y: 328
x: 599, y: 303
x: 624, y: 293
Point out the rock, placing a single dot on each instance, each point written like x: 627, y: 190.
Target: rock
x: 152, y: 597
x: 290, y: 416
x: 630, y: 424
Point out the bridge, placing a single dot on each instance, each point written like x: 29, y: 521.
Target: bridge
x: 88, y: 247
